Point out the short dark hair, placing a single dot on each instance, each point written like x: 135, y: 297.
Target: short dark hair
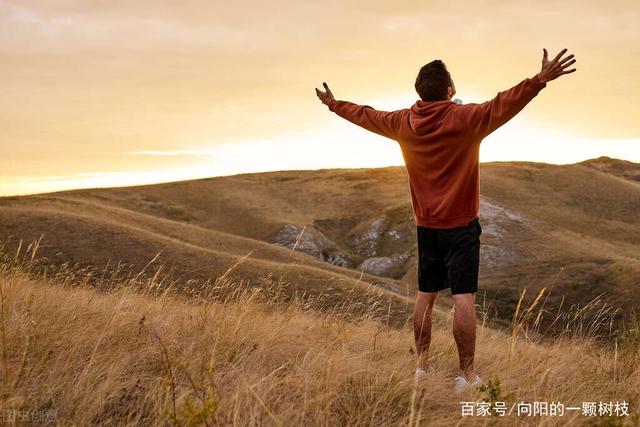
x: 432, y: 81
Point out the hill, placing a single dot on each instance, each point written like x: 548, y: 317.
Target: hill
x: 573, y: 229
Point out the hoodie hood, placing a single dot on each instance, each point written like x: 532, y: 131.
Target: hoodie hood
x: 425, y: 116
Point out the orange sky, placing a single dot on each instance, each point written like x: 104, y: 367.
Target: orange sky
x: 119, y: 93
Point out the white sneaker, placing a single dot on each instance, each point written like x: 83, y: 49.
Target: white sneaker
x: 461, y: 384
x: 420, y: 374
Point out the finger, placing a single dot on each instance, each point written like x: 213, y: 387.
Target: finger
x: 545, y: 55
x: 568, y: 71
x: 328, y: 90
x: 563, y: 65
x: 566, y: 59
x: 558, y: 56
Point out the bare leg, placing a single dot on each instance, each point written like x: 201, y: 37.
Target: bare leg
x: 464, y: 331
x: 422, y: 324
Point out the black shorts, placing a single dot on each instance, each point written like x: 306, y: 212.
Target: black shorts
x: 449, y: 258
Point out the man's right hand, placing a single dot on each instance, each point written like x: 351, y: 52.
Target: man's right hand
x: 553, y: 69
x: 325, y: 97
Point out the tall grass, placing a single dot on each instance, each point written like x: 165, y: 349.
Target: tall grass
x: 141, y: 348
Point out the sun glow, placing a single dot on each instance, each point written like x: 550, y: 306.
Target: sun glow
x: 119, y: 93
x: 339, y: 145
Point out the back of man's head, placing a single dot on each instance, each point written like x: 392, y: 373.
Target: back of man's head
x: 432, y: 81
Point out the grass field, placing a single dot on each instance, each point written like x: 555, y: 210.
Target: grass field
x: 141, y: 350
x: 172, y: 303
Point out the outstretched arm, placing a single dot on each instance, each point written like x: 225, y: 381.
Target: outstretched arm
x: 487, y: 117
x: 383, y: 123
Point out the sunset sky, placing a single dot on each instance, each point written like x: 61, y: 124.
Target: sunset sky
x: 110, y: 93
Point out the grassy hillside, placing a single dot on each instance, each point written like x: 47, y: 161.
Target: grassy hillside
x: 137, y: 354
x: 106, y: 237
x: 582, y: 233
x: 573, y: 229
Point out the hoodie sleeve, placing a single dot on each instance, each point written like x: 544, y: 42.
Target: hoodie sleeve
x: 485, y: 118
x: 385, y: 123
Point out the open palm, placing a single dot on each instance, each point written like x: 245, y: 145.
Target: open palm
x: 555, y: 68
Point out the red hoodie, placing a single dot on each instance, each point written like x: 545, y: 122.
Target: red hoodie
x: 440, y: 143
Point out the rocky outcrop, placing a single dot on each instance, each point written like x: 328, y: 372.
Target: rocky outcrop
x: 395, y: 234
x: 365, y: 238
x: 311, y: 242
x: 496, y: 219
x: 390, y: 266
x: 500, y: 226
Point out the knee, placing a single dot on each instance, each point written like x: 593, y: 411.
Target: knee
x: 464, y: 302
x: 426, y: 299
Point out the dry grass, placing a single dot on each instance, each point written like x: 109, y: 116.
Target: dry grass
x: 132, y: 352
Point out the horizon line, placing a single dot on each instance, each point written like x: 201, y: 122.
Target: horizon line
x: 146, y: 184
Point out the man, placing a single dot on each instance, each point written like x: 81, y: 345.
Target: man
x: 440, y: 143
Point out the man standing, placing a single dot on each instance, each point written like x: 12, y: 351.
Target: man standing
x: 440, y: 143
